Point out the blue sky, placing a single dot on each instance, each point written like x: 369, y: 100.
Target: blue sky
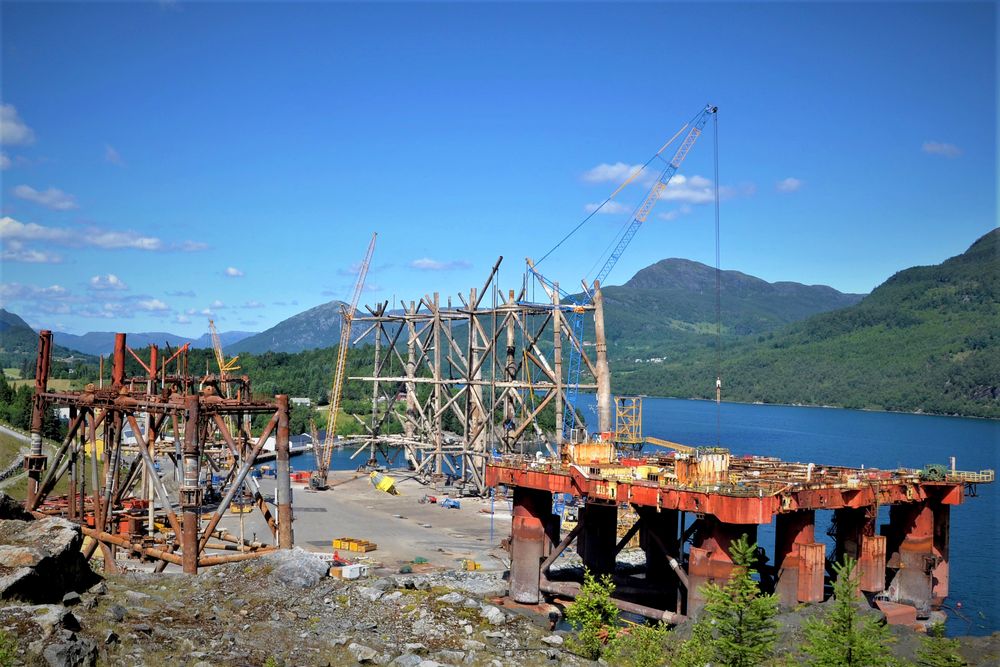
x: 164, y: 161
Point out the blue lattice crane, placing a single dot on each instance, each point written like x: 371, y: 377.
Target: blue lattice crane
x: 694, y: 127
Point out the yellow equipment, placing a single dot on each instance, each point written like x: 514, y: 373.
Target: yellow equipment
x: 384, y: 483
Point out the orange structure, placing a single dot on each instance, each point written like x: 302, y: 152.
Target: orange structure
x: 691, y: 507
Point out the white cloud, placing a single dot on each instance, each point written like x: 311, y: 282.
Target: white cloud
x: 182, y: 319
x: 89, y: 236
x: 611, y: 208
x: 15, y: 251
x: 53, y: 198
x: 673, y: 214
x: 252, y: 304
x: 112, y: 155
x: 233, y: 272
x: 789, y: 184
x: 941, y: 148
x: 107, y: 282
x: 154, y: 305
x: 193, y: 246
x: 11, y: 292
x: 217, y: 305
x: 207, y: 312
x: 13, y: 130
x: 4, y: 161
x: 610, y: 173
x: 428, y: 264
x: 693, y: 190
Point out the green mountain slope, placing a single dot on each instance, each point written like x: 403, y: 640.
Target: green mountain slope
x: 317, y: 327
x: 925, y: 340
x: 19, y: 344
x: 669, y: 308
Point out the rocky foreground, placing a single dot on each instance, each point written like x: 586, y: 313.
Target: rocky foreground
x: 281, y: 609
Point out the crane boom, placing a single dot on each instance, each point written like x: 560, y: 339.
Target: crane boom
x: 642, y: 212
x: 347, y: 317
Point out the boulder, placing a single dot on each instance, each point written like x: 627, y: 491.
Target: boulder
x: 40, y: 561
x: 12, y: 509
x: 361, y: 653
x: 71, y: 651
x: 296, y: 567
x: 493, y: 615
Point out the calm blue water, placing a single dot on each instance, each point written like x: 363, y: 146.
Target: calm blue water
x: 873, y: 439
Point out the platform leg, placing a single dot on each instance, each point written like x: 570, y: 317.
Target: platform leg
x: 532, y: 514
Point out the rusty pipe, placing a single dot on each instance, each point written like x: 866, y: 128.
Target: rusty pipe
x: 571, y: 589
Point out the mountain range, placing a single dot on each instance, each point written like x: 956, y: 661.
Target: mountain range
x: 926, y: 339
x: 103, y: 342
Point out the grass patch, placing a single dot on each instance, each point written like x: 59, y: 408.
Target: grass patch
x: 12, y: 373
x: 57, y: 384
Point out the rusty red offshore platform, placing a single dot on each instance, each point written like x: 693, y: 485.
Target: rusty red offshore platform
x: 906, y: 562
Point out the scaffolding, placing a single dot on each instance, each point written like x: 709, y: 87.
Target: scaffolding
x: 118, y: 485
x: 489, y: 368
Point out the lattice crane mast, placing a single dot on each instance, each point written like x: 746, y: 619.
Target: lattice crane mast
x: 696, y: 125
x: 324, y: 452
x: 225, y: 367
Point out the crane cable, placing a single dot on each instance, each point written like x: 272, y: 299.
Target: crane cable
x: 628, y: 180
x: 718, y: 294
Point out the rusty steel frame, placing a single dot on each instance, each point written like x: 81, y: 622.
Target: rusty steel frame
x: 184, y: 418
x: 908, y: 563
x: 484, y: 365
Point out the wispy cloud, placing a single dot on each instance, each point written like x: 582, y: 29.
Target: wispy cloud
x: 252, y: 304
x: 112, y: 155
x: 789, y: 184
x: 53, y: 198
x: 182, y: 319
x: 192, y: 246
x: 611, y: 208
x: 187, y: 293
x: 606, y: 172
x: 673, y: 214
x: 4, y: 161
x: 15, y: 251
x: 428, y: 264
x: 92, y: 236
x: 154, y: 305
x: 107, y: 282
x: 233, y: 272
x: 941, y: 148
x: 690, y: 190
x: 13, y: 130
x: 217, y: 305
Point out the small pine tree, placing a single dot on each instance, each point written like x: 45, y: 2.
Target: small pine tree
x: 696, y: 651
x: 937, y: 651
x: 593, y: 615
x: 744, y: 630
x: 843, y: 637
x: 639, y: 646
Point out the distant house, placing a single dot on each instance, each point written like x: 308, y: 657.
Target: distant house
x: 300, y: 400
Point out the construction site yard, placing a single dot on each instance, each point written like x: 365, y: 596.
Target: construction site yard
x: 403, y: 529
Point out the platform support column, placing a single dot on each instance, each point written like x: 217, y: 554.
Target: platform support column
x: 284, y: 488
x: 910, y: 543
x: 941, y: 547
x: 709, y: 559
x: 598, y: 536
x: 800, y: 560
x: 660, y: 527
x: 532, y: 516
x: 36, y: 462
x: 855, y: 537
x: 190, y: 490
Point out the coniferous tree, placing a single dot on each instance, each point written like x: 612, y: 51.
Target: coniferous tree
x: 937, y: 651
x: 743, y: 627
x: 843, y: 637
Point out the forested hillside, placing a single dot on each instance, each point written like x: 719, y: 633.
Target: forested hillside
x: 925, y: 340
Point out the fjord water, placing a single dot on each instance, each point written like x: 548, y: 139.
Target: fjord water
x: 875, y: 440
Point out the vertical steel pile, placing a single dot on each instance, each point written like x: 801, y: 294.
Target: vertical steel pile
x: 181, y: 421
